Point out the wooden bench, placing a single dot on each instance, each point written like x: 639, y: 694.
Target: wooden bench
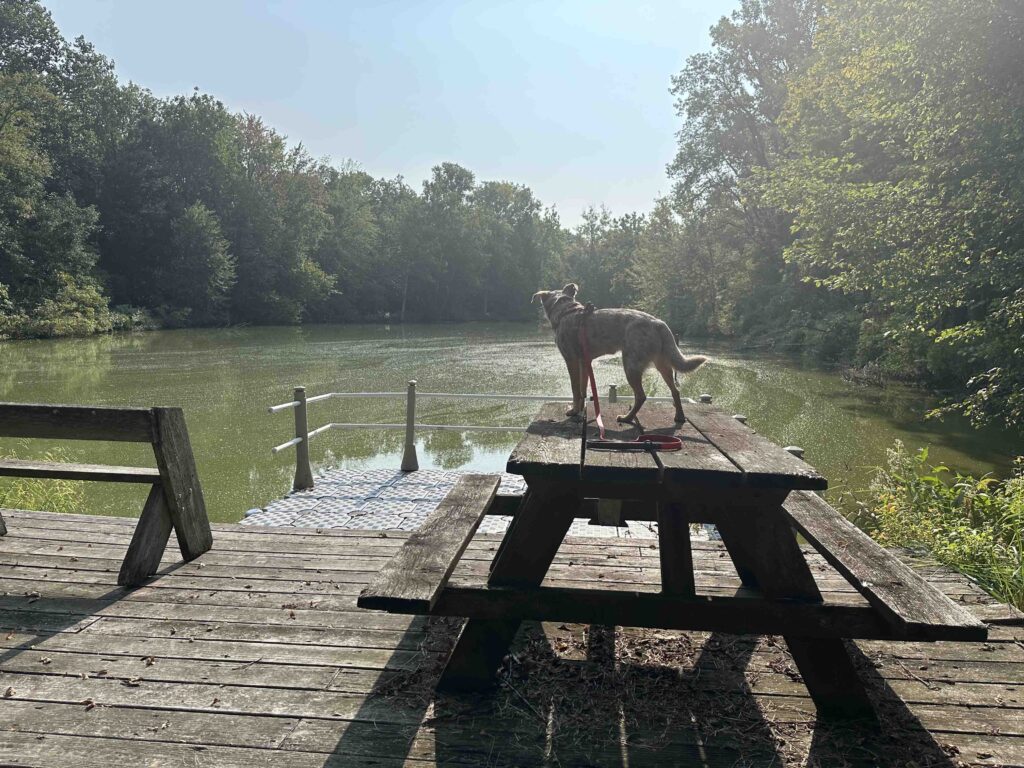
x: 907, y: 601
x: 413, y: 579
x: 175, y: 499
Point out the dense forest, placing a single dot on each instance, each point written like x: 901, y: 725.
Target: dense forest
x: 849, y: 183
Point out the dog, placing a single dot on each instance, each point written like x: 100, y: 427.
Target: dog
x: 642, y: 338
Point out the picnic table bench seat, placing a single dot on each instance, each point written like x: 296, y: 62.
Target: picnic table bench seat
x: 413, y: 579
x: 909, y: 602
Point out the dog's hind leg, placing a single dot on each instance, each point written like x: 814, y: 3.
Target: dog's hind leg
x: 635, y: 377
x: 668, y: 374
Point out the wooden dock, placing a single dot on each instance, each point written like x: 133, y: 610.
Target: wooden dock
x: 255, y: 654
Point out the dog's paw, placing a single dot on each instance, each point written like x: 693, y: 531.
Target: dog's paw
x: 680, y: 418
x: 625, y: 420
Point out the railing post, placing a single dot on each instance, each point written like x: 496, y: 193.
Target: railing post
x: 613, y: 393
x: 409, y: 461
x: 303, y: 472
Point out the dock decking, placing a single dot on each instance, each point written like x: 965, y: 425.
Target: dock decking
x: 255, y: 654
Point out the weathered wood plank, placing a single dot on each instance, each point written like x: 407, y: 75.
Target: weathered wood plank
x: 184, y: 495
x: 551, y: 449
x: 32, y: 717
x: 528, y: 548
x: 676, y: 561
x: 228, y: 658
x: 76, y: 422
x: 69, y: 471
x: 149, y: 541
x: 764, y: 548
x: 763, y: 463
x: 411, y: 580
x: 734, y: 615
x: 907, y: 599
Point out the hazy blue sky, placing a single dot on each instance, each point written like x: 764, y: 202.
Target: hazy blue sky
x: 570, y: 98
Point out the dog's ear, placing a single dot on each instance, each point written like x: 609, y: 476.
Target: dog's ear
x: 536, y: 296
x: 570, y: 290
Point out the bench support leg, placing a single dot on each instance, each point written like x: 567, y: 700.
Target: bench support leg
x: 766, y: 547
x: 148, y: 542
x: 3, y: 526
x: 185, y: 500
x: 523, y: 558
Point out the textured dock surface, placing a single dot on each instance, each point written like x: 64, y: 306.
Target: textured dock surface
x: 392, y: 500
x: 255, y: 655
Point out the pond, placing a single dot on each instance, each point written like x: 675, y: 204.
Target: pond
x: 226, y: 378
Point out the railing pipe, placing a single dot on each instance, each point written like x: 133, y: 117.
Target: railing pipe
x: 278, y: 448
x: 303, y: 472
x: 410, y: 463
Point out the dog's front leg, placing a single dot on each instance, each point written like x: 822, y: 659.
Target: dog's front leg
x: 575, y: 366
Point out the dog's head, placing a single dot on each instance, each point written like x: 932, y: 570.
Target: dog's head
x: 557, y: 303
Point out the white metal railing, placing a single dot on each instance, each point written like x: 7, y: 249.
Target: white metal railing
x: 410, y: 462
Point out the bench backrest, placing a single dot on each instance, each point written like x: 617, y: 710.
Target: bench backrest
x: 78, y: 422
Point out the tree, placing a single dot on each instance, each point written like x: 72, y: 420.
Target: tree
x: 199, y: 271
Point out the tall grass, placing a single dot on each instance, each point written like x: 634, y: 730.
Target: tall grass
x: 975, y: 525
x: 48, y: 495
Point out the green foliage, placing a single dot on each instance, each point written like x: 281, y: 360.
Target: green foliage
x: 975, y: 525
x: 47, y: 495
x: 904, y: 183
x: 200, y: 273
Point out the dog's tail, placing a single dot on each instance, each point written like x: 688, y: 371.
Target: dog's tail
x: 671, y: 351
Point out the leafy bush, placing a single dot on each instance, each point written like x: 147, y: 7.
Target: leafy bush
x: 975, y: 525
x: 48, y: 495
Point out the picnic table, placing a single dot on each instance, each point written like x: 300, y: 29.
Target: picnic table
x: 754, y: 492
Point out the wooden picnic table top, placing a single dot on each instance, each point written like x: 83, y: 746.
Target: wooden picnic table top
x: 718, y: 451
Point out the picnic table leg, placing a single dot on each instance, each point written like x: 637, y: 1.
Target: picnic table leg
x: 767, y: 548
x: 674, y: 550
x: 525, y: 554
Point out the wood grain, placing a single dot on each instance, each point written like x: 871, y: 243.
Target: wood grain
x: 902, y: 595
x: 76, y: 422
x: 208, y: 670
x: 411, y: 581
x: 69, y: 471
x: 180, y: 479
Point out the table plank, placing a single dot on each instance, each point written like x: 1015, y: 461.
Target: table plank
x: 763, y: 463
x: 551, y: 449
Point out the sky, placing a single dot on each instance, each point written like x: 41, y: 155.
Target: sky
x: 570, y: 98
